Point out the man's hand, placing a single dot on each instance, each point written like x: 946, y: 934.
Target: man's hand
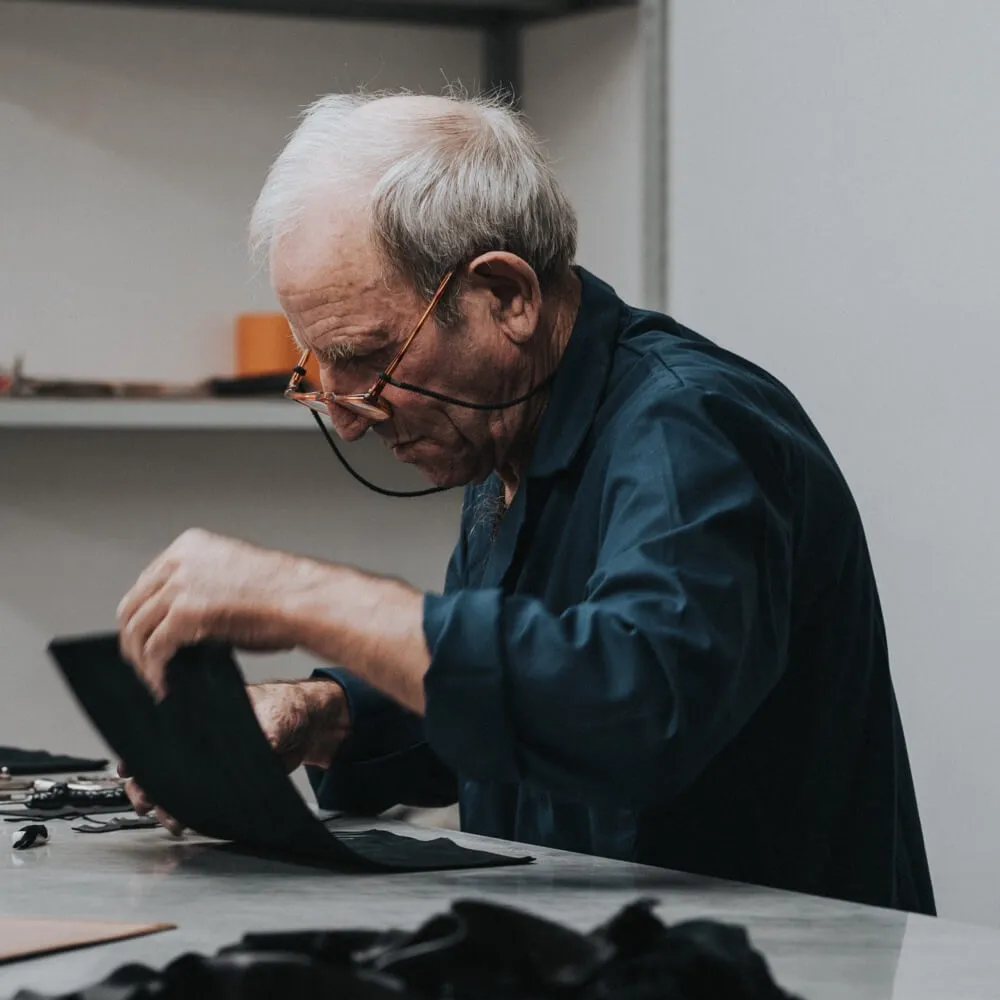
x: 205, y: 586
x: 209, y: 587
x: 304, y: 721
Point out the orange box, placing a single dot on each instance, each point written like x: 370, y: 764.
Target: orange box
x: 263, y: 345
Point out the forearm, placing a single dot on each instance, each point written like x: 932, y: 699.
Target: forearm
x: 371, y: 625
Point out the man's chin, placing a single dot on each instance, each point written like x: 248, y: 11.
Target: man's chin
x: 442, y: 475
x: 442, y: 478
x: 435, y: 465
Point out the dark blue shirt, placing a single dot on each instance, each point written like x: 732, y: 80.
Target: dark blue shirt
x: 670, y: 649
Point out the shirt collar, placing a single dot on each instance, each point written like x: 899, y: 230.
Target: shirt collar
x: 580, y: 378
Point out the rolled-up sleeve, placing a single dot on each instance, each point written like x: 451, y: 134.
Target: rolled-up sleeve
x: 627, y: 695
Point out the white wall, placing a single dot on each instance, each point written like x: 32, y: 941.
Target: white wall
x: 582, y: 92
x: 835, y: 215
x: 132, y: 145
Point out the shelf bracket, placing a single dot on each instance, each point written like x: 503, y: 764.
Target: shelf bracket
x: 502, y: 58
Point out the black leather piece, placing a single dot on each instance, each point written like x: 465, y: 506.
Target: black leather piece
x: 119, y: 823
x: 477, y: 951
x: 15, y: 815
x: 31, y: 762
x: 201, y: 756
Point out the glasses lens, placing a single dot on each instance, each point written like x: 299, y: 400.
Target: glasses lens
x: 367, y: 410
x: 315, y: 405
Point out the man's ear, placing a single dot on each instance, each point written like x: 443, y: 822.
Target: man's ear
x: 515, y: 297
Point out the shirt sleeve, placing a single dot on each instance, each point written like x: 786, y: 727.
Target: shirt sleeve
x: 386, y: 759
x: 626, y: 696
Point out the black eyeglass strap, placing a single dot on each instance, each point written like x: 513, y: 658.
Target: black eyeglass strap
x: 433, y: 395
x: 409, y: 387
x: 361, y: 479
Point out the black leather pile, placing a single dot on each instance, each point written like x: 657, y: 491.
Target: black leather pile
x: 477, y: 951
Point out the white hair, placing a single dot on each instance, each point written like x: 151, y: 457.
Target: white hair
x: 446, y: 179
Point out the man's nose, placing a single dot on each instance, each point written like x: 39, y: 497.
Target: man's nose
x: 349, y: 425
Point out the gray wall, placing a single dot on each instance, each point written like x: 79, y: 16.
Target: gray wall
x: 836, y: 216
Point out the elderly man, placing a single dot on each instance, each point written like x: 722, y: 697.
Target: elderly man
x: 659, y: 638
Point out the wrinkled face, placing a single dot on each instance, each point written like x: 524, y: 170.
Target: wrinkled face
x: 330, y: 283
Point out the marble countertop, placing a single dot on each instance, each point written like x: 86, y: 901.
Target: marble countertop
x: 818, y: 948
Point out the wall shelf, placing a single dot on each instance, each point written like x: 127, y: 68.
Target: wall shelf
x: 153, y: 414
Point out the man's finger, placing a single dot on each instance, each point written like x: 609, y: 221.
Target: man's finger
x: 150, y: 581
x: 123, y: 770
x: 134, y: 631
x: 174, y: 631
x: 137, y: 797
x: 168, y: 822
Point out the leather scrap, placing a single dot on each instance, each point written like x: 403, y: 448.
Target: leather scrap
x: 12, y: 815
x: 201, y: 756
x: 118, y: 823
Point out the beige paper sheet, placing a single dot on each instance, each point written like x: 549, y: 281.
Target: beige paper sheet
x: 24, y: 937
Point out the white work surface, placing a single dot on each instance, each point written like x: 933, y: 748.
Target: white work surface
x: 818, y: 948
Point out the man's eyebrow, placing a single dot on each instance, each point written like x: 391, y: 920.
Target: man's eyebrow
x: 336, y: 350
x: 345, y: 348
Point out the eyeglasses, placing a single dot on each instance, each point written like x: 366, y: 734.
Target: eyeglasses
x: 370, y: 404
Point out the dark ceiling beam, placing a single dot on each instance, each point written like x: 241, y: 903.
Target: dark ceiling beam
x: 502, y: 58
x: 487, y: 14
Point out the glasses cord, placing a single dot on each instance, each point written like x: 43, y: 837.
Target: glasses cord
x: 470, y: 406
x: 434, y: 395
x: 361, y: 479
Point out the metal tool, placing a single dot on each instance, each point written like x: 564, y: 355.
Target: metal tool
x: 45, y: 793
x: 11, y: 787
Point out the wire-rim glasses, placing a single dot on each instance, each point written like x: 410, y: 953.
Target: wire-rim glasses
x: 370, y: 404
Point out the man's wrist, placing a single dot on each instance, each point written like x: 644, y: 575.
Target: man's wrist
x: 329, y: 719
x: 373, y: 626
x: 307, y: 604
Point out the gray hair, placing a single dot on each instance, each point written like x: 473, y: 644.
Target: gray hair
x: 450, y: 178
